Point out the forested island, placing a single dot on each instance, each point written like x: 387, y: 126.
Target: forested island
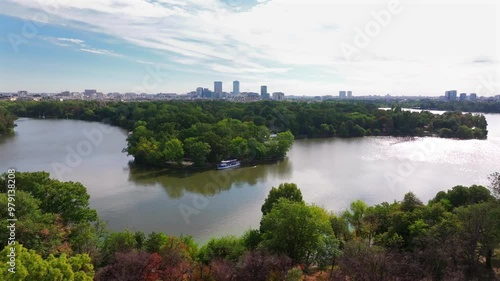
x: 455, y: 236
x: 203, y: 133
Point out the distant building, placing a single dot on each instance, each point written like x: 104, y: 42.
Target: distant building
x: 22, y: 94
x: 263, y: 93
x: 473, y: 97
x: 217, y: 90
x: 207, y: 93
x: 342, y: 94
x: 349, y: 94
x: 250, y: 96
x: 278, y: 96
x: 463, y: 97
x: 88, y: 92
x: 236, y: 87
x: 451, y: 95
x: 199, y: 92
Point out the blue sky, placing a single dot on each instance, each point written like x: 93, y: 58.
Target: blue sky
x: 299, y: 47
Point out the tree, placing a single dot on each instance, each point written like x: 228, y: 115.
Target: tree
x: 259, y: 265
x: 285, y: 141
x: 463, y: 196
x: 355, y: 216
x: 464, y: 132
x: 295, y: 229
x: 480, y: 232
x: 118, y: 242
x: 251, y: 239
x: 29, y: 266
x: 228, y: 248
x: 173, y: 151
x: 155, y: 242
x: 410, y: 202
x: 131, y: 266
x: 68, y: 199
x: 286, y: 190
x: 197, y: 150
x: 238, y: 147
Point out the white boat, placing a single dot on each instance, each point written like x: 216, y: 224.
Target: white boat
x: 228, y: 164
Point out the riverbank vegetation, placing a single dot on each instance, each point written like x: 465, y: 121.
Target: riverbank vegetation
x: 205, y: 132
x: 463, y: 106
x: 6, y: 122
x: 455, y: 236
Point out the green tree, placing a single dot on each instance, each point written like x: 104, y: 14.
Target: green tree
x: 68, y: 199
x: 173, y: 151
x: 355, y: 214
x: 410, y: 202
x: 197, y: 150
x: 285, y: 190
x: 238, y: 147
x: 155, y: 242
x: 480, y: 232
x: 30, y: 266
x: 227, y: 247
x: 296, y: 229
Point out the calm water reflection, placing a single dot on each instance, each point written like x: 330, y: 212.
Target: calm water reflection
x: 330, y: 172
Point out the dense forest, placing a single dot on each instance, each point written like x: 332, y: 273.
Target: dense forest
x: 6, y: 122
x: 455, y: 236
x: 205, y: 132
x: 464, y: 106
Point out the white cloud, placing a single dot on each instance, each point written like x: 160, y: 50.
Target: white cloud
x: 421, y: 50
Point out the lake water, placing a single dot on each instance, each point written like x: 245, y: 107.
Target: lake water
x: 330, y: 172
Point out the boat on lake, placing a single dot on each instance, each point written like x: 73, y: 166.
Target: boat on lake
x: 228, y: 164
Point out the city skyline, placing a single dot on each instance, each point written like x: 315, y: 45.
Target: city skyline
x: 170, y: 46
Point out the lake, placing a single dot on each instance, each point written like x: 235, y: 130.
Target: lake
x: 330, y: 172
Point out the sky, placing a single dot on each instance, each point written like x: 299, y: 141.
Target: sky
x: 299, y: 47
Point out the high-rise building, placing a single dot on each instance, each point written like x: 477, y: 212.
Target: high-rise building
x: 463, y: 97
x: 349, y: 94
x: 473, y: 96
x: 453, y: 95
x: 199, y: 92
x: 342, y: 94
x: 263, y: 93
x: 236, y: 87
x: 218, y: 89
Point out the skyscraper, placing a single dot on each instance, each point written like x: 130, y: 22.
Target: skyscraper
x: 349, y: 94
x: 263, y: 93
x: 451, y: 95
x: 236, y: 87
x: 218, y: 89
x: 342, y: 94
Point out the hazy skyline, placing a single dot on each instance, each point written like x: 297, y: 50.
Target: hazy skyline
x: 298, y: 47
